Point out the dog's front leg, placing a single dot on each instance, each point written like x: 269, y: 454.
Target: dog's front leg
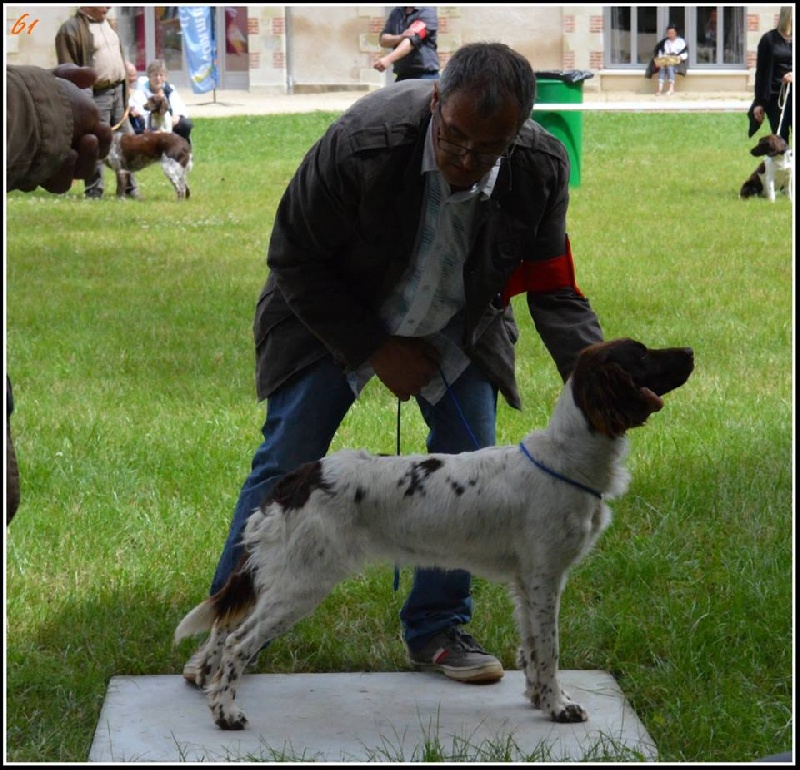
x: 526, y: 659
x: 122, y: 178
x: 770, y: 180
x: 544, y: 598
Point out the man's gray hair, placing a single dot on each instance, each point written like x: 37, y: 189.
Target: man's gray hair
x: 495, y: 73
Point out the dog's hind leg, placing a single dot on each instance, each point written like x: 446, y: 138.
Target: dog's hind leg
x: 276, y: 611
x: 541, y: 598
x: 209, y: 655
x: 176, y: 175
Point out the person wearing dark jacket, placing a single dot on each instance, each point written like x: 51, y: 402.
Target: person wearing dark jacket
x: 395, y: 251
x: 411, y: 32
x: 774, y: 78
x: 53, y: 135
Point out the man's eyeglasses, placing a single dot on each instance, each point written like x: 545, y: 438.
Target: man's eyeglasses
x: 481, y: 158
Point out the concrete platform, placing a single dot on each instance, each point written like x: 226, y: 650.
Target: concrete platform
x: 362, y: 717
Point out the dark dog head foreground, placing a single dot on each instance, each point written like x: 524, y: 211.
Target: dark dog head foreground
x: 619, y: 384
x: 770, y: 145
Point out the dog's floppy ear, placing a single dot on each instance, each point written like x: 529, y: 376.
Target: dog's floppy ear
x: 610, y: 399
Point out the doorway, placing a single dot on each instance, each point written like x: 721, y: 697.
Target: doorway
x: 154, y: 32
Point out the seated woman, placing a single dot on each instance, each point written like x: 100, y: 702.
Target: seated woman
x: 670, y: 56
x: 156, y: 81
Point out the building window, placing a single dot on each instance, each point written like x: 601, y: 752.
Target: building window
x: 715, y: 34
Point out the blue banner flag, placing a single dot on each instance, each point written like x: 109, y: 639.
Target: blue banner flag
x: 200, y: 47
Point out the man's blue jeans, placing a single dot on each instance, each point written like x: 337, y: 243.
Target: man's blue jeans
x: 302, y: 418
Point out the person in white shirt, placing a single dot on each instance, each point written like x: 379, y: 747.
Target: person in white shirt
x: 674, y: 46
x: 154, y: 82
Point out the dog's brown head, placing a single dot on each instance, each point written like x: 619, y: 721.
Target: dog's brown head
x: 157, y: 103
x: 770, y: 145
x: 619, y: 384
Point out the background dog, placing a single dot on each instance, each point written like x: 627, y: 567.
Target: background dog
x: 133, y: 152
x: 159, y: 118
x: 774, y: 174
x: 522, y: 514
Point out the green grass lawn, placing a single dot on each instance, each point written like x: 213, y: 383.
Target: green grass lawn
x: 128, y: 341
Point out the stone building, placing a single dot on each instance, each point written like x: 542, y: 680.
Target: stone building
x: 313, y: 48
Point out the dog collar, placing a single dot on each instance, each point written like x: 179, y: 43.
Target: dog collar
x: 557, y: 475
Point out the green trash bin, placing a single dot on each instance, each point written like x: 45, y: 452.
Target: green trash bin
x: 563, y: 87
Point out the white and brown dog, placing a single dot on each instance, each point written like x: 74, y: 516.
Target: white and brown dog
x: 159, y: 117
x: 522, y: 514
x: 133, y: 152
x: 774, y: 174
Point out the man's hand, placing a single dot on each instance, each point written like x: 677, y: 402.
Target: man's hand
x: 405, y: 365
x: 91, y: 137
x: 758, y: 114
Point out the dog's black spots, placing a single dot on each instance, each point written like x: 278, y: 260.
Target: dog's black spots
x: 472, y: 482
x: 359, y: 494
x: 320, y: 553
x: 431, y: 465
x: 293, y: 490
x: 457, y: 487
x: 417, y: 473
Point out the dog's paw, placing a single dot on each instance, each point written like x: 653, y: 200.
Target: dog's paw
x: 230, y: 718
x: 571, y: 712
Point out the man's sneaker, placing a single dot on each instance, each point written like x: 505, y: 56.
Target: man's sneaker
x: 457, y: 655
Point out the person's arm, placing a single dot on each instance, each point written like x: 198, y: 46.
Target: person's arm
x: 403, y: 49
x: 562, y: 315
x: 138, y: 98
x: 178, y: 106
x: 388, y: 40
x: 66, y: 48
x: 53, y: 129
x: 763, y: 74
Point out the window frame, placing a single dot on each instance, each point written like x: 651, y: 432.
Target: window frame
x: 689, y: 34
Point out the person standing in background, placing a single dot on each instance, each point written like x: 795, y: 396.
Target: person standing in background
x: 88, y: 40
x: 411, y: 32
x: 773, y: 93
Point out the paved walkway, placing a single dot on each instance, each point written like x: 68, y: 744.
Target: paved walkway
x: 223, y: 104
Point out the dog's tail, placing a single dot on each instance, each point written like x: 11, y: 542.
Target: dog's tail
x: 200, y: 619
x: 226, y: 607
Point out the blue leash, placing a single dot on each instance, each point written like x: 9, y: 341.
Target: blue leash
x: 464, y: 420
